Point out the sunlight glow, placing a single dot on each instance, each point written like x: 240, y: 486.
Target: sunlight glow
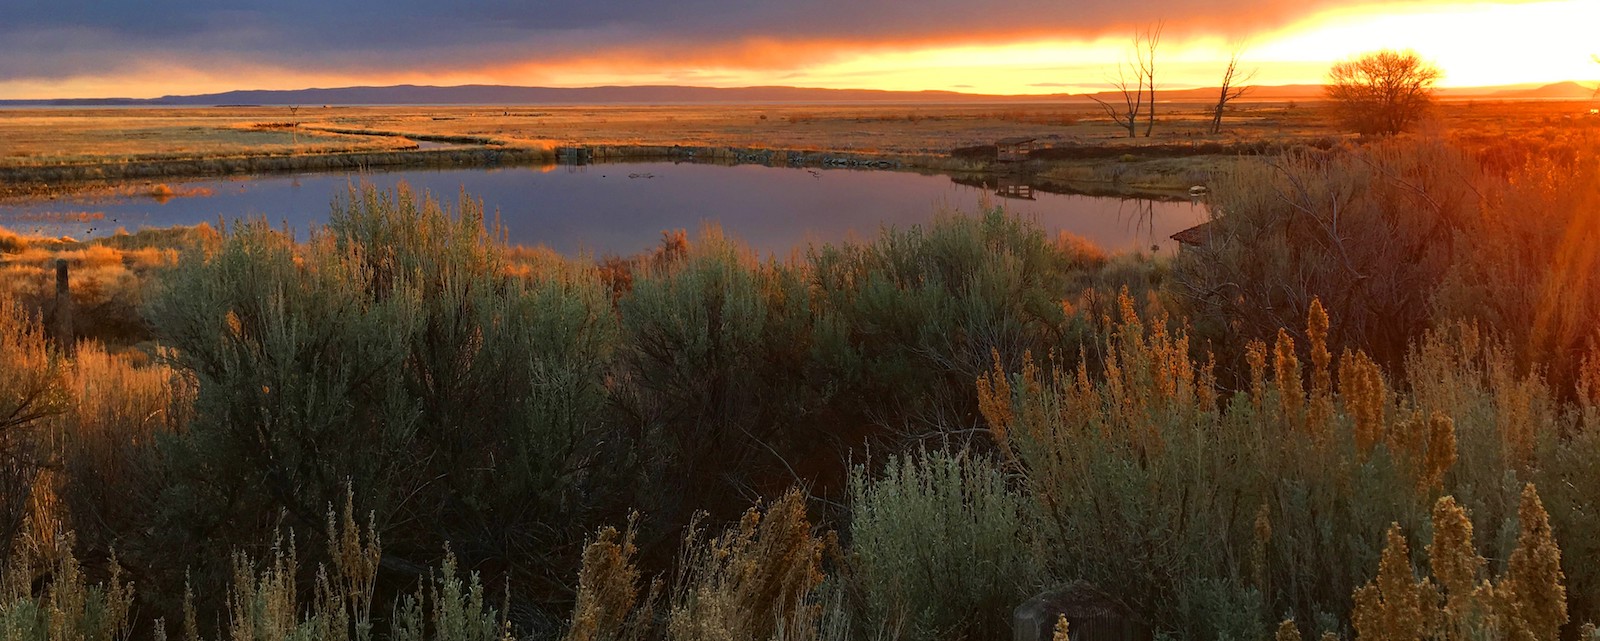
x: 1475, y: 43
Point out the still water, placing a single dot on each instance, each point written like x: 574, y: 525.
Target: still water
x: 623, y: 208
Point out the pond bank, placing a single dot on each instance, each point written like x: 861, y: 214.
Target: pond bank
x: 1125, y: 174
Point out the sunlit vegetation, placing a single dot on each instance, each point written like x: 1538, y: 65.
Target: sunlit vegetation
x: 1384, y: 92
x: 53, y: 137
x: 49, y: 152
x: 1366, y: 409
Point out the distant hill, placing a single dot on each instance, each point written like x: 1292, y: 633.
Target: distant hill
x: 508, y: 95
x: 1558, y: 91
x: 659, y: 94
x: 1209, y: 94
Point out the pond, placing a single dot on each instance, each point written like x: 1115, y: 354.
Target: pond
x: 623, y: 208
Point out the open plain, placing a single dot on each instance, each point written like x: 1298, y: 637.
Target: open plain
x: 1077, y: 146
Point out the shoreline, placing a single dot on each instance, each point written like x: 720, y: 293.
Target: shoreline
x: 1163, y: 171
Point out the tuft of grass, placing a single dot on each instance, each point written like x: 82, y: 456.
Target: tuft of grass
x: 751, y: 580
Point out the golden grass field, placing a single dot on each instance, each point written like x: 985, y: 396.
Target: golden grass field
x: 917, y: 135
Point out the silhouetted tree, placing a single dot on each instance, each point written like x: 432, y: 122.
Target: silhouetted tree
x: 1142, y: 68
x: 1596, y: 58
x: 1126, y: 115
x: 1233, y: 86
x: 1147, y: 63
x: 1383, y: 92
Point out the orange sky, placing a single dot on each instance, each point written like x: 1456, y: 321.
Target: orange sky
x: 1475, y: 43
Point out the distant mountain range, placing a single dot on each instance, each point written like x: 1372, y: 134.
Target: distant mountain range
x: 657, y: 94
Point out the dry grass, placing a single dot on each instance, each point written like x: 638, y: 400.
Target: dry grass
x: 108, y: 276
x: 57, y: 137
x: 43, y: 141
x: 41, y: 136
x: 751, y: 581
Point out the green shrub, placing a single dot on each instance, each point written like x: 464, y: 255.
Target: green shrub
x: 918, y: 312
x: 394, y: 352
x: 940, y: 546
x: 1369, y: 231
x: 68, y: 606
x: 714, y: 372
x: 1187, y: 509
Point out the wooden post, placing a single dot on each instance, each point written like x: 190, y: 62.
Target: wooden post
x: 63, y: 324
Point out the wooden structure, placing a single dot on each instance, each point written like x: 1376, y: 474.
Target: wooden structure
x: 574, y: 155
x: 1013, y: 149
x: 1092, y: 615
x: 1009, y: 187
x: 1196, y: 236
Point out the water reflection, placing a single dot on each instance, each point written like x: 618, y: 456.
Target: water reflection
x: 622, y: 208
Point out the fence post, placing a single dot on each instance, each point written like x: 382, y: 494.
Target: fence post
x: 63, y: 324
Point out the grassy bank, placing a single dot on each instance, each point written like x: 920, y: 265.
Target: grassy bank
x: 25, y: 179
x: 1123, y: 174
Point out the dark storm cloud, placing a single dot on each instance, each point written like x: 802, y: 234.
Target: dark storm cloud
x: 41, y: 39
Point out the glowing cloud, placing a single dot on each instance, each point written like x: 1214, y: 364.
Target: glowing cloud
x: 115, y: 49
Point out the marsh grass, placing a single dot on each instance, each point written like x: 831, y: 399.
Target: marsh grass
x: 1137, y: 475
x: 109, y: 276
x: 1050, y: 414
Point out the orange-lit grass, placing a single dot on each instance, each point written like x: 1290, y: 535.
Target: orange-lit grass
x: 57, y: 137
x: 107, y: 276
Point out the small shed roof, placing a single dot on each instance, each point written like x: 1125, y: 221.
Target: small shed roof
x: 1194, y: 236
x: 1015, y: 140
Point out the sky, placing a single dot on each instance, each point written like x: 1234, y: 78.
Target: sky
x: 150, y: 48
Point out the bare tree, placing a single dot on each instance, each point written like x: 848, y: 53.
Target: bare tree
x: 1233, y: 86
x: 1142, y: 68
x: 1126, y: 115
x: 1382, y: 92
x: 1146, y: 51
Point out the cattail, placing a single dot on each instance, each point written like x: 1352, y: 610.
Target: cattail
x: 1127, y: 314
x: 1361, y: 387
x: 1441, y: 454
x: 1406, y: 440
x: 608, y: 586
x: 1083, y: 398
x: 1256, y: 355
x: 1033, y: 405
x: 1513, y: 401
x: 1287, y: 631
x: 1534, y: 572
x: 1454, y: 560
x: 1286, y: 368
x: 1321, y: 410
x: 191, y: 623
x: 1060, y: 633
x: 1588, y: 379
x: 1206, y: 384
x: 1391, y: 606
x: 1258, y: 552
x: 1588, y: 386
x: 994, y: 403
